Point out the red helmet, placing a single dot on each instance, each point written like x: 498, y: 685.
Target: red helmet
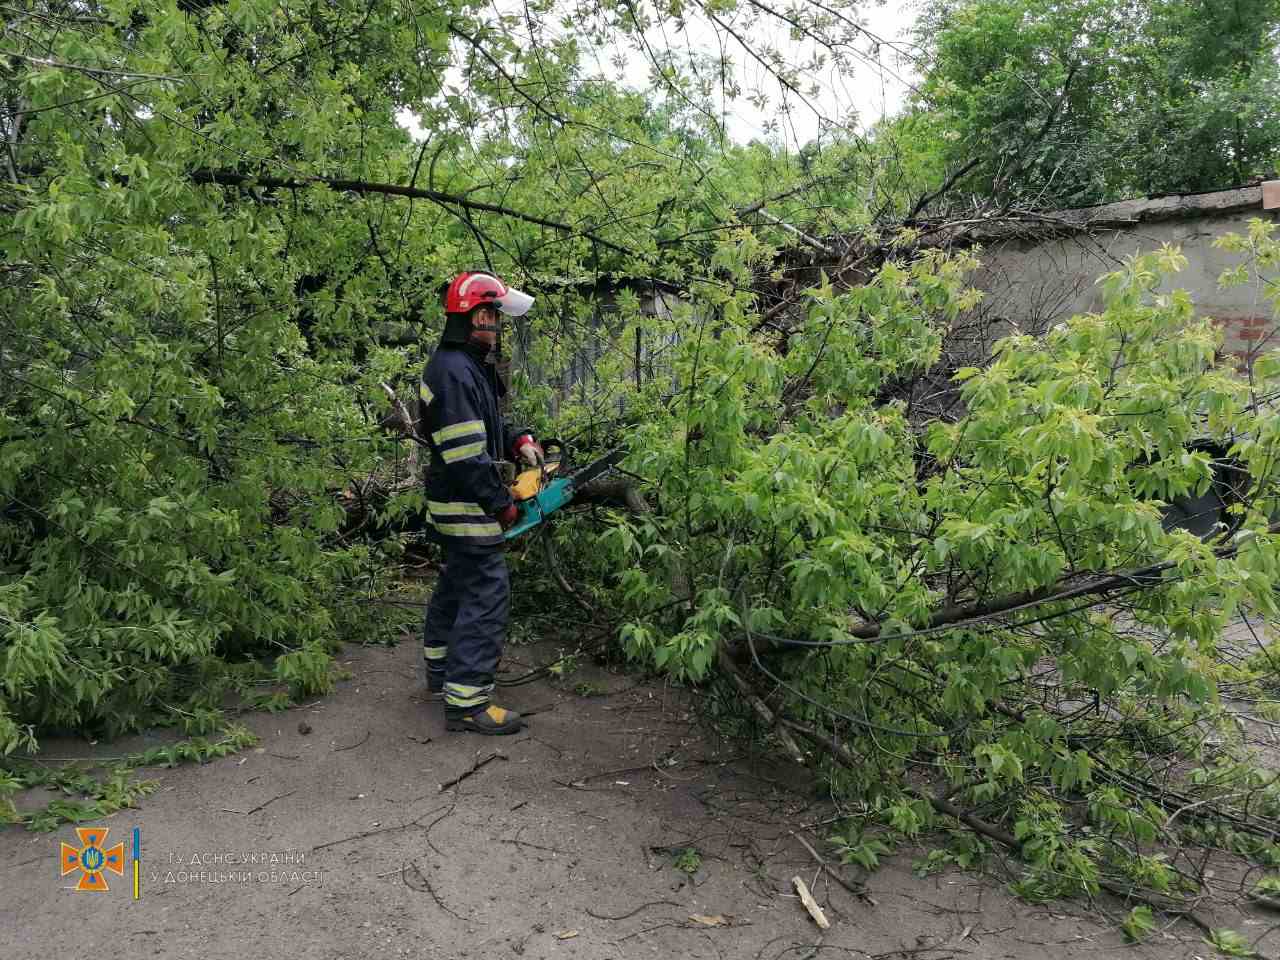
x: 470, y: 290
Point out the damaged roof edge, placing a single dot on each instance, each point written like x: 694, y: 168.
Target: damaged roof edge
x: 1117, y: 215
x: 1166, y: 207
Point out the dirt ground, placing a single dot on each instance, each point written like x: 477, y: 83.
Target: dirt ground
x: 560, y: 846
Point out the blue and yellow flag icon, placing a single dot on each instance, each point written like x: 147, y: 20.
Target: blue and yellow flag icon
x: 92, y: 858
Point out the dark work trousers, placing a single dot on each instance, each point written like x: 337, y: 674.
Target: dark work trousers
x: 465, y: 627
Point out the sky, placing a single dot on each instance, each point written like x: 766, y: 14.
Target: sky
x: 877, y: 87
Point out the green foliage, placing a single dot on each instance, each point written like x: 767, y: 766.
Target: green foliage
x: 1229, y: 943
x: 1268, y: 887
x: 276, y: 701
x: 194, y: 750
x: 199, y: 249
x: 803, y: 503
x: 306, y: 671
x: 1138, y: 924
x: 964, y: 850
x: 1057, y: 865
x: 92, y: 798
x: 1064, y: 104
x: 564, y: 666
x: 87, y: 797
x: 857, y: 847
x: 688, y: 860
x: 191, y: 318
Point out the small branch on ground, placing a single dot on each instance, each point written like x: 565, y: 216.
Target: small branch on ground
x: 261, y: 806
x: 352, y: 746
x: 858, y: 891
x: 479, y: 764
x: 632, y: 913
x: 417, y: 822
x: 426, y: 887
x: 758, y: 705
x: 810, y: 904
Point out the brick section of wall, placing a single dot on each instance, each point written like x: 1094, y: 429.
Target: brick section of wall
x: 1245, y: 337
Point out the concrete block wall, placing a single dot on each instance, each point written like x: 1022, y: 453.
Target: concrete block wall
x: 1042, y: 270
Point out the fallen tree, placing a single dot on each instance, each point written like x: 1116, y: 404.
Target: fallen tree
x: 975, y: 617
x: 980, y: 620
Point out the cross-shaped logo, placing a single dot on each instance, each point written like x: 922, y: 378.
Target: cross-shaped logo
x: 92, y: 858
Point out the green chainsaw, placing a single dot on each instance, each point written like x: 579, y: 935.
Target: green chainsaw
x: 539, y: 492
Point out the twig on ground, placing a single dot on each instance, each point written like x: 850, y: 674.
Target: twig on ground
x: 643, y: 906
x: 540, y: 708
x: 1261, y: 900
x: 417, y: 822
x: 427, y: 833
x: 578, y: 786
x: 550, y: 746
x: 613, y: 773
x: 474, y: 767
x: 858, y: 891
x: 811, y: 904
x: 766, y: 715
x: 548, y: 551
x: 261, y: 806
x: 363, y: 740
x: 426, y: 887
x: 1262, y: 936
x: 816, y: 948
x: 534, y: 846
x: 640, y: 933
x: 760, y: 952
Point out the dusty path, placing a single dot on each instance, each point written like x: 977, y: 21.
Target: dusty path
x: 523, y: 858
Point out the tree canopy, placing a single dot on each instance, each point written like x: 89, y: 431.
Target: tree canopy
x: 1065, y: 104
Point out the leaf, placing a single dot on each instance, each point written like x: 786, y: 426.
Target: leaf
x: 1139, y: 924
x: 1229, y: 943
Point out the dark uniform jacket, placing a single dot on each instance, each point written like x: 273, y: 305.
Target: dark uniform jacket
x: 459, y: 419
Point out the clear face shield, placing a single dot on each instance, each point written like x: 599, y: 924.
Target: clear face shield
x: 514, y: 303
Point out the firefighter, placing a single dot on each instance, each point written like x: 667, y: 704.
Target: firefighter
x: 468, y: 503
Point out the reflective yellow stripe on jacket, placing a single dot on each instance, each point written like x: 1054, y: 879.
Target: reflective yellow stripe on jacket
x: 463, y: 452
x: 469, y: 529
x: 455, y: 508
x: 467, y: 428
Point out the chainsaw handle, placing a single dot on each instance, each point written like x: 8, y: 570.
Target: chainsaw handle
x: 551, y: 445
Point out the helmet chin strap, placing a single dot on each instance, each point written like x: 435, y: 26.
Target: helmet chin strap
x: 500, y: 371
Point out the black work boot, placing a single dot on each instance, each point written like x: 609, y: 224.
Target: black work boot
x: 433, y: 665
x: 435, y: 688
x: 491, y: 720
